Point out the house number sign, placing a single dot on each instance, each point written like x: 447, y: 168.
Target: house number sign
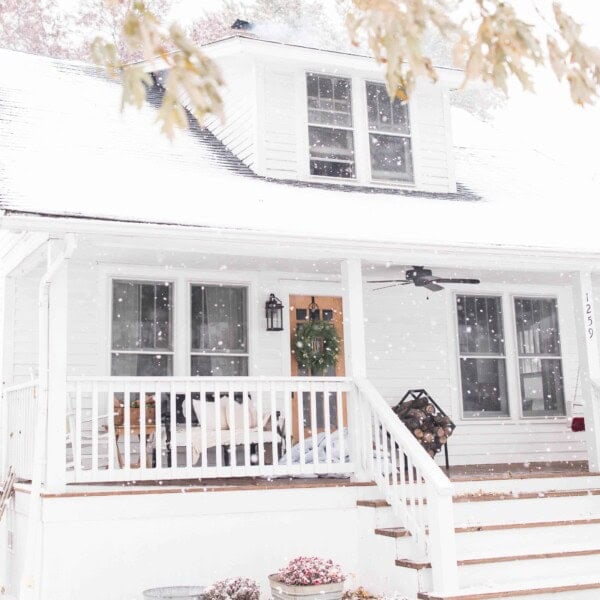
x: 589, y: 317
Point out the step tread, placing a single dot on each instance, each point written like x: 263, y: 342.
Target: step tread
x: 526, y: 589
x: 393, y: 532
x: 527, y: 525
x: 484, y: 560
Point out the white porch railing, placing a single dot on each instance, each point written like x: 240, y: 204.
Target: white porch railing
x: 143, y: 428
x: 415, y: 487
x: 20, y: 403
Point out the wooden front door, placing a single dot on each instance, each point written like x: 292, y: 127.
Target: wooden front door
x: 329, y: 308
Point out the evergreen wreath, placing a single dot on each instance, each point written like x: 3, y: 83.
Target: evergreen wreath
x: 316, y: 345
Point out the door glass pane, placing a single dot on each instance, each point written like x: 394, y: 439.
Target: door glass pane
x: 484, y: 387
x: 218, y: 320
x: 542, y: 389
x: 219, y: 366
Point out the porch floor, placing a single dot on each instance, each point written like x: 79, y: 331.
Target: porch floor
x: 529, y: 470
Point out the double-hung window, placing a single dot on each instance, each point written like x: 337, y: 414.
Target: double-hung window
x: 540, y: 364
x: 330, y: 134
x: 389, y: 136
x: 482, y: 356
x: 219, y: 330
x: 142, y: 338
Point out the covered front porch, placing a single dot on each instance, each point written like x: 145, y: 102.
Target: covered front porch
x: 88, y: 402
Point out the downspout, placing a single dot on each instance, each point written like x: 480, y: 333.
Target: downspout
x: 32, y: 564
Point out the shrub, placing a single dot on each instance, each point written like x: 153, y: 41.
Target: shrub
x: 234, y: 588
x: 310, y: 570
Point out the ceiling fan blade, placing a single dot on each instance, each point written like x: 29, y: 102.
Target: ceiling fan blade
x: 433, y: 287
x: 388, y: 281
x: 388, y: 286
x: 457, y: 280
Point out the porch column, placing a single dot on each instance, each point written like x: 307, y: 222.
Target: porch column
x: 57, y: 372
x: 356, y: 358
x: 354, y: 318
x: 589, y: 363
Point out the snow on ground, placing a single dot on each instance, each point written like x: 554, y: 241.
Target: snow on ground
x: 66, y: 149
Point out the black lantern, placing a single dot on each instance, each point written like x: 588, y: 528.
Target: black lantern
x: 274, y: 313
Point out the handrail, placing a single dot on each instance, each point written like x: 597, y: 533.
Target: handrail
x: 206, y: 379
x: 418, y: 491
x: 20, y: 386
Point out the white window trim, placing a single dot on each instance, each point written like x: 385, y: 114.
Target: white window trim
x: 109, y: 297
x: 370, y: 131
x: 191, y: 352
x: 508, y: 292
x: 362, y: 156
x: 182, y: 279
x: 352, y: 129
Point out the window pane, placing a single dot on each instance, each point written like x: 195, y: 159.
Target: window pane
x: 537, y: 326
x: 391, y: 157
x: 331, y: 152
x: 484, y: 387
x: 329, y: 100
x: 385, y: 115
x: 542, y: 389
x: 140, y: 365
x: 141, y: 318
x: 219, y: 366
x: 219, y: 321
x: 480, y: 328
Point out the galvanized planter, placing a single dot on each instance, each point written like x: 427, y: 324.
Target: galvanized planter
x: 328, y: 591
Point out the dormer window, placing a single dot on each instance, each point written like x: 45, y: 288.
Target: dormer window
x: 330, y: 134
x: 389, y: 136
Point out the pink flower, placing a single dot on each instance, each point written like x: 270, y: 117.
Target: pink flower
x: 310, y: 570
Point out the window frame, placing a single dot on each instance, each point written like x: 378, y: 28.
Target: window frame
x: 125, y: 278
x: 504, y: 356
x: 369, y: 131
x: 188, y: 323
x: 518, y: 357
x: 351, y: 128
x: 509, y: 292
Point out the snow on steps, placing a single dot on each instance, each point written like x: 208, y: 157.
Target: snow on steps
x: 513, y: 537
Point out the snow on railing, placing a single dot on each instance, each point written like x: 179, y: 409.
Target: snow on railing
x: 416, y: 488
x: 19, y: 410
x: 142, y: 428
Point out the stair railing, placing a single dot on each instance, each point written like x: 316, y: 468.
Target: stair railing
x: 418, y: 491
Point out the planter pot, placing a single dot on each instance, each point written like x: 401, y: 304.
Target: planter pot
x: 328, y: 591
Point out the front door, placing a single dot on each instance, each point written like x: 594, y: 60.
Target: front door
x: 326, y: 308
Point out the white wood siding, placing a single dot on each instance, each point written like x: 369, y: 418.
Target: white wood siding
x: 411, y: 344
x: 238, y: 129
x: 283, y: 131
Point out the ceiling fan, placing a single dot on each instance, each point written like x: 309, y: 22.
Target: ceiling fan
x: 422, y: 277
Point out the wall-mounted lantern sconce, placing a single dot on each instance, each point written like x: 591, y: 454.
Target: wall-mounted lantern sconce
x: 274, y: 313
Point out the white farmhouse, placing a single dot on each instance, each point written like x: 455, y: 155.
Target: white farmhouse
x: 164, y: 431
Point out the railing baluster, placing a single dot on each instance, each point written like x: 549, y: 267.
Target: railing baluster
x: 203, y: 426
x: 127, y: 424
x: 341, y: 424
x: 141, y: 426
x: 301, y: 424
x: 232, y: 425
x: 95, y: 426
x: 157, y: 425
x: 173, y: 424
x: 110, y: 411
x: 218, y: 445
x: 274, y: 424
x: 260, y: 420
x: 187, y: 402
x: 246, y: 415
x: 327, y: 422
x: 76, y: 435
x: 287, y: 399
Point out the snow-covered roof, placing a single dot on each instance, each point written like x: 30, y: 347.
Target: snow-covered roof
x: 67, y: 150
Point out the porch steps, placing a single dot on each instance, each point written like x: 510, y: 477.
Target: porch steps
x: 512, y: 540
